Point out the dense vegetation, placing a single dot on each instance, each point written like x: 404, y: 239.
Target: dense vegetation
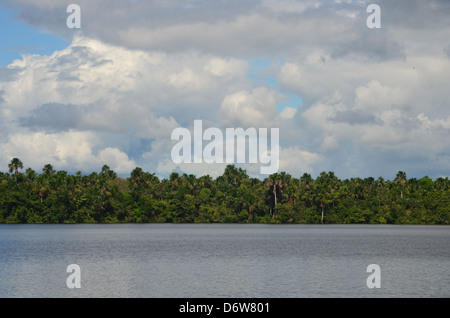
x: 57, y: 197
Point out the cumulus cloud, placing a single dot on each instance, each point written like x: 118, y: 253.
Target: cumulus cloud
x: 227, y: 67
x: 69, y: 151
x: 109, y: 92
x: 257, y: 109
x: 298, y: 161
x: 385, y: 117
x: 288, y: 113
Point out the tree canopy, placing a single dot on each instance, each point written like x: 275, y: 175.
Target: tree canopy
x: 234, y: 197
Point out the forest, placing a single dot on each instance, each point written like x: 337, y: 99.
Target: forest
x: 234, y: 197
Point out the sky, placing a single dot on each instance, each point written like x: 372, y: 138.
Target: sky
x: 358, y: 101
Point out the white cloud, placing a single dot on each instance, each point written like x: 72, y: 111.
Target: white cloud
x: 66, y: 151
x: 116, y: 159
x: 227, y: 67
x: 288, y: 113
x: 167, y: 166
x: 95, y: 102
x: 298, y: 161
x: 257, y: 109
x: 376, y: 96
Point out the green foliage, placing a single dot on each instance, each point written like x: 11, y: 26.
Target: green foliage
x: 57, y: 197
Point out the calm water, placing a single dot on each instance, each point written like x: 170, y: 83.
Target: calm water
x: 161, y: 260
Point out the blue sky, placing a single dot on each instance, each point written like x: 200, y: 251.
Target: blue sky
x: 257, y: 73
x: 18, y: 38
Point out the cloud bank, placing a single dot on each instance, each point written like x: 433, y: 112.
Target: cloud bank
x: 374, y: 101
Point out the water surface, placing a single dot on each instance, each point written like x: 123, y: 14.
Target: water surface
x: 218, y: 260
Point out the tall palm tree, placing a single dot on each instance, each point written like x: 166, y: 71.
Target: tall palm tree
x: 306, y: 187
x: 326, y: 186
x: 401, y: 180
x: 15, y: 165
x: 275, y: 185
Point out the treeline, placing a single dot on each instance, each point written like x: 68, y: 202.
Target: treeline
x: 58, y: 197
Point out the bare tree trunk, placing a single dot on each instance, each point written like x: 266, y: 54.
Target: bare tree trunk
x: 275, y: 194
x: 323, y: 208
x: 275, y: 200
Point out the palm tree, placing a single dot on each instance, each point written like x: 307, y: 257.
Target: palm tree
x: 31, y: 174
x: 108, y: 173
x: 42, y: 186
x: 48, y: 170
x: 136, y: 176
x: 275, y: 185
x: 326, y: 186
x: 401, y: 179
x: 306, y: 187
x: 15, y: 165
